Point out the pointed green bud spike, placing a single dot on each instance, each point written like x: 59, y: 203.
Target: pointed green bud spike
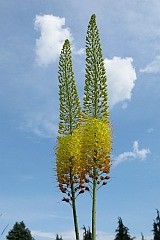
x: 70, y: 110
x: 95, y: 90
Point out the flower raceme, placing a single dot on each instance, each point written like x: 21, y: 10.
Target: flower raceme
x: 68, y: 155
x: 96, y: 144
x: 88, y: 148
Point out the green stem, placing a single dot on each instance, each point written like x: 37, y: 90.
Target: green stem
x: 74, y: 208
x: 94, y: 206
x: 75, y: 219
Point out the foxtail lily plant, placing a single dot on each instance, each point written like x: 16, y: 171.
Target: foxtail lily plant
x: 85, y: 136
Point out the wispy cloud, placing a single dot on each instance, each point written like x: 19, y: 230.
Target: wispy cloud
x: 40, y: 123
x: 59, y: 217
x: 103, y: 236
x: 153, y: 67
x: 25, y: 177
x: 48, y: 235
x: 125, y: 105
x: 53, y: 34
x: 121, y: 79
x: 70, y: 235
x: 80, y: 52
x: 136, y: 153
x: 150, y: 130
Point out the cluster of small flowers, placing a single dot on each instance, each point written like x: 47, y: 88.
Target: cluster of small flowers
x: 78, y: 154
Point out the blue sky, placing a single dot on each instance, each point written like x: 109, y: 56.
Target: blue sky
x: 31, y: 36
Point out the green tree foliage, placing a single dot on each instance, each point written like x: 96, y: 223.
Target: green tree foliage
x: 19, y: 232
x: 87, y: 235
x: 156, y: 227
x: 142, y: 236
x: 122, y: 232
x: 59, y: 237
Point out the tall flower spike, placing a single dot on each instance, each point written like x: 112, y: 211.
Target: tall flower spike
x: 67, y: 142
x: 95, y: 90
x: 70, y: 110
x: 97, y: 134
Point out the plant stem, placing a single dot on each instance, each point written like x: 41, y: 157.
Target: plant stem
x: 94, y: 206
x: 74, y: 208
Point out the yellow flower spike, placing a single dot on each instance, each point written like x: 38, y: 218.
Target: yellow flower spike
x: 68, y: 153
x: 96, y: 143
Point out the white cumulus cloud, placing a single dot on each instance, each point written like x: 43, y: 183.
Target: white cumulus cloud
x: 52, y: 36
x: 136, y: 153
x: 121, y: 77
x: 153, y: 67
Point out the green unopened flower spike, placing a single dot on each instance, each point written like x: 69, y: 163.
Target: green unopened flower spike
x: 95, y: 91
x: 70, y: 110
